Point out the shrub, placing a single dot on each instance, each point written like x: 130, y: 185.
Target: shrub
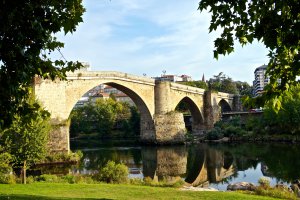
x: 69, y: 178
x: 29, y: 180
x: 232, y: 131
x: 264, y: 182
x: 47, y: 178
x: 7, y: 179
x: 6, y: 175
x: 113, y: 173
x: 275, y: 192
x: 215, y: 134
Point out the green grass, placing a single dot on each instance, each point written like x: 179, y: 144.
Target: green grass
x: 45, y: 191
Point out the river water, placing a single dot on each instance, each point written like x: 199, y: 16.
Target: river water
x: 214, y: 165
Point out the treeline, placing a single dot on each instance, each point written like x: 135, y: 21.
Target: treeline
x: 272, y: 125
x: 100, y: 118
x: 223, y: 83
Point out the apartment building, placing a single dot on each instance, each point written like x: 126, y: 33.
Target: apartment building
x: 260, y: 80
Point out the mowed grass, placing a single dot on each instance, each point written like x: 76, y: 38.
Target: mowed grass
x: 45, y: 191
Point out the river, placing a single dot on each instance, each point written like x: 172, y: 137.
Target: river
x: 214, y: 165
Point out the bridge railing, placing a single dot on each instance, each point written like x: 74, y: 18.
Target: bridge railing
x: 186, y: 88
x: 107, y: 74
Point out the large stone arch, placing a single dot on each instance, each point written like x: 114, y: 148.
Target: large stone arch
x: 224, y: 106
x: 196, y: 114
x: 146, y: 121
x: 59, y: 98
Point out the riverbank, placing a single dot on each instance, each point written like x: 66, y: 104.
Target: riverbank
x: 291, y: 139
x: 45, y: 191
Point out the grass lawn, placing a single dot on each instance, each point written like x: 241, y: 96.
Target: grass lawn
x: 45, y: 191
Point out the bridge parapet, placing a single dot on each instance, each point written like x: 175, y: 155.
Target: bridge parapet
x: 109, y: 75
x: 185, y: 88
x: 223, y: 95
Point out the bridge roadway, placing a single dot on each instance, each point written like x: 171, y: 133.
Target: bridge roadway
x: 155, y: 100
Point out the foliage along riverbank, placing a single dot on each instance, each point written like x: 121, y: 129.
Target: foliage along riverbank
x: 272, y: 125
x: 110, y: 191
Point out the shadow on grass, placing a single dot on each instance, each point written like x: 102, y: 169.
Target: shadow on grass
x: 30, y: 197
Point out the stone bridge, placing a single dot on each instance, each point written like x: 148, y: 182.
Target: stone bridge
x: 155, y: 100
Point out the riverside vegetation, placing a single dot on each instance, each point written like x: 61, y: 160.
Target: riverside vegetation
x: 282, y: 125
x: 104, y: 119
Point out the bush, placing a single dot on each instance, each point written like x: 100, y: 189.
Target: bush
x: 7, y: 179
x: 232, y: 131
x: 47, y: 178
x: 6, y: 175
x: 275, y: 192
x: 29, y: 180
x: 215, y: 134
x: 264, y: 182
x: 113, y: 173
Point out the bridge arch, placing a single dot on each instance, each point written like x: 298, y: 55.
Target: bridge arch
x: 60, y: 96
x: 224, y: 105
x: 145, y: 116
x: 197, y: 122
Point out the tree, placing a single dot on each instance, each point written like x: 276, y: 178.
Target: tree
x: 244, y: 88
x: 27, y: 30
x: 222, y: 83
x: 27, y: 138
x: 198, y: 84
x: 101, y: 117
x: 287, y: 119
x: 274, y: 23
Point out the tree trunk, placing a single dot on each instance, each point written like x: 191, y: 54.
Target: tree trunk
x: 24, y: 172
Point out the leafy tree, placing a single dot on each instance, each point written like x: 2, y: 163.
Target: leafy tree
x: 134, y: 120
x: 27, y: 138
x: 198, y: 84
x: 222, y: 83
x: 102, y: 116
x: 274, y: 23
x: 287, y: 119
x: 27, y: 30
x: 113, y: 173
x: 244, y: 88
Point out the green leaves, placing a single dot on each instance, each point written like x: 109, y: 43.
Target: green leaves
x: 27, y: 138
x: 274, y: 23
x: 26, y: 39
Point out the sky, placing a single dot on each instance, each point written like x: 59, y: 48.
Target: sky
x: 147, y: 37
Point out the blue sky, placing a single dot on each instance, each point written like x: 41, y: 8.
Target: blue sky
x: 149, y: 36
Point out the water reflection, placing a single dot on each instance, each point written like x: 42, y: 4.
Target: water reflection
x: 208, y: 165
x: 202, y: 164
x: 164, y: 163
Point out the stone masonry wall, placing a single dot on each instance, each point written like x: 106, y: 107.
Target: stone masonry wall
x: 170, y: 128
x: 59, y: 140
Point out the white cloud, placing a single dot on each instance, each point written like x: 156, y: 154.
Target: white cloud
x: 141, y: 36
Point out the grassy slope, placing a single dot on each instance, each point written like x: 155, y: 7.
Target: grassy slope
x: 45, y: 191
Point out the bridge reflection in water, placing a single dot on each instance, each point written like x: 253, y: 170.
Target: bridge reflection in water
x: 200, y: 165
x: 197, y: 166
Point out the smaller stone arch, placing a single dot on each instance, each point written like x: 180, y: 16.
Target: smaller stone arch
x: 197, y: 122
x: 224, y: 105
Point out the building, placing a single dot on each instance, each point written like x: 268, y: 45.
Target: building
x: 186, y: 78
x: 98, y: 95
x: 111, y: 90
x: 173, y: 78
x: 260, y: 80
x: 124, y: 98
